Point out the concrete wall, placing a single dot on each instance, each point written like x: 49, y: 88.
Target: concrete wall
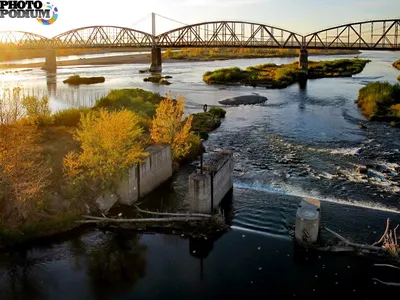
x: 200, y: 193
x: 146, y: 176
x: 216, y: 180
x: 223, y: 180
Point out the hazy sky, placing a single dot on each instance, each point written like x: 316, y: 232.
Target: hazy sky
x: 302, y: 16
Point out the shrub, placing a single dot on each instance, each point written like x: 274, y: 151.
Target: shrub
x: 69, y: 117
x: 11, y: 107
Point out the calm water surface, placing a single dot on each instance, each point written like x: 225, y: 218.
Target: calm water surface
x: 301, y: 142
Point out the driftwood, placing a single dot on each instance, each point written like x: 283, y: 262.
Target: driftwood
x: 172, y: 214
x: 389, y: 240
x: 92, y: 219
x: 355, y: 245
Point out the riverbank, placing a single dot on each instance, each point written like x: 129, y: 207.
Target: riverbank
x: 281, y: 76
x: 212, y: 54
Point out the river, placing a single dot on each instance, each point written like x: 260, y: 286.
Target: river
x: 304, y: 141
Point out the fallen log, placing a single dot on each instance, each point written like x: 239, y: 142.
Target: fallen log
x: 172, y: 214
x: 142, y: 220
x: 355, y: 245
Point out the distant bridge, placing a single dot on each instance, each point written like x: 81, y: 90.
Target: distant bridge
x: 368, y: 35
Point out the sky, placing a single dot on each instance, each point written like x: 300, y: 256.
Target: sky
x: 301, y: 16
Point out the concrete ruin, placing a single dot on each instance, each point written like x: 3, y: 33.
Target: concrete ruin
x: 308, y: 219
x: 208, y: 187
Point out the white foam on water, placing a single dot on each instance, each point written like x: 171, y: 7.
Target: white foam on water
x: 292, y: 191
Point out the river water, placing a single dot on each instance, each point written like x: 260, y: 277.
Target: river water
x: 304, y: 141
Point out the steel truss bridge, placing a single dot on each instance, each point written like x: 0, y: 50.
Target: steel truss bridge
x: 368, y: 35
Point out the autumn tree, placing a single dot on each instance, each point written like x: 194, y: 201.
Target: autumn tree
x: 169, y: 127
x: 24, y: 172
x: 110, y: 142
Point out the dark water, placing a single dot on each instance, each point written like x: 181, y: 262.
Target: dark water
x: 302, y: 142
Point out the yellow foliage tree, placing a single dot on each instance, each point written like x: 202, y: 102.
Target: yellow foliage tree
x: 24, y: 172
x: 110, y: 142
x: 169, y: 127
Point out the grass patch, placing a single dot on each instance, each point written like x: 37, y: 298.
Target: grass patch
x: 138, y: 100
x: 274, y: 76
x: 32, y: 229
x: 205, y: 122
x: 380, y: 101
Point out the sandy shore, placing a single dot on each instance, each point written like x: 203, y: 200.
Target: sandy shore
x: 109, y: 60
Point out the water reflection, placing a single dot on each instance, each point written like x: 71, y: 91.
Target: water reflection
x: 51, y: 80
x: 117, y: 264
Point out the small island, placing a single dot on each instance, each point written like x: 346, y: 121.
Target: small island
x: 77, y: 80
x: 396, y: 64
x: 158, y: 79
x: 380, y: 101
x: 281, y: 76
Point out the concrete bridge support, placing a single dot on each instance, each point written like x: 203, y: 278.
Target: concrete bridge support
x: 303, y: 60
x: 51, y: 61
x: 156, y: 60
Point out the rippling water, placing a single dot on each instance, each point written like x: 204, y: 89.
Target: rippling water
x: 301, y: 142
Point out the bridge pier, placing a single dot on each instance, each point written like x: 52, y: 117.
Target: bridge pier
x: 51, y: 61
x: 156, y: 60
x: 303, y: 60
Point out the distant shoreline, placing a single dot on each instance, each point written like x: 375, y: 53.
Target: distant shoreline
x: 125, y: 59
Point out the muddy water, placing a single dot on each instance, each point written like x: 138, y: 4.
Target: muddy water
x: 301, y: 142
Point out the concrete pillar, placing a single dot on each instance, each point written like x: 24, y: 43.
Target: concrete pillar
x: 51, y: 61
x: 156, y: 60
x: 308, y: 218
x: 303, y: 60
x: 200, y: 193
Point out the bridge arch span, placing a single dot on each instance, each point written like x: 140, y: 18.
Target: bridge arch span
x: 365, y: 35
x: 22, y: 39
x: 229, y: 34
x: 102, y: 37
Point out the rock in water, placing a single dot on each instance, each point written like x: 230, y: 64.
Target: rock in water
x: 244, y: 100
x: 362, y: 170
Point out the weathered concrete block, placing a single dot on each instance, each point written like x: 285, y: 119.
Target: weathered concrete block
x: 106, y: 201
x: 146, y: 176
x: 207, y: 190
x: 128, y: 188
x: 308, y: 218
x: 200, y: 193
